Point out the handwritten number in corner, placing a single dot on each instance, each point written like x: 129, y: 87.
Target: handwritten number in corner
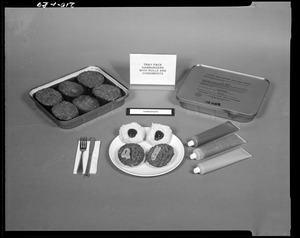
x: 55, y: 4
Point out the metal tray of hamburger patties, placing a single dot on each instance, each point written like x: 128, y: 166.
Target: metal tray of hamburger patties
x: 223, y: 93
x: 79, y: 97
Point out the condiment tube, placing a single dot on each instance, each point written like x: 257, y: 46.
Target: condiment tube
x: 217, y: 146
x: 221, y: 161
x: 212, y: 134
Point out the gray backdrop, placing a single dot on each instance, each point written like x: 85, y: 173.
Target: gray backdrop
x: 41, y: 191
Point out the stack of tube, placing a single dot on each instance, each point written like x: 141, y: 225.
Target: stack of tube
x: 217, y: 147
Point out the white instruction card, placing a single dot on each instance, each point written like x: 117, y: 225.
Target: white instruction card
x: 153, y: 69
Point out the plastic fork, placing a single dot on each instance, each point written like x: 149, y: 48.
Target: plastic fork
x: 82, y: 146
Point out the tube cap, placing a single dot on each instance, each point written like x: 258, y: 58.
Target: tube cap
x: 191, y: 143
x: 193, y: 156
x: 197, y: 170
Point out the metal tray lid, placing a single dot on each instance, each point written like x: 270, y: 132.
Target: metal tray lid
x: 223, y: 89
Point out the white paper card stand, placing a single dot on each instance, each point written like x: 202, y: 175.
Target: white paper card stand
x: 153, y: 71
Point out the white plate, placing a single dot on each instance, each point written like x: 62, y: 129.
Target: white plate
x: 144, y: 169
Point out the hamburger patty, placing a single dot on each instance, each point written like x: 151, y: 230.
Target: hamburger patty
x: 65, y: 110
x: 86, y: 103
x: 70, y: 89
x: 107, y: 92
x: 48, y: 96
x: 90, y: 79
x: 160, y: 155
x: 131, y: 154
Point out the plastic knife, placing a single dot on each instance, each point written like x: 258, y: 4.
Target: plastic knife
x: 91, y: 150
